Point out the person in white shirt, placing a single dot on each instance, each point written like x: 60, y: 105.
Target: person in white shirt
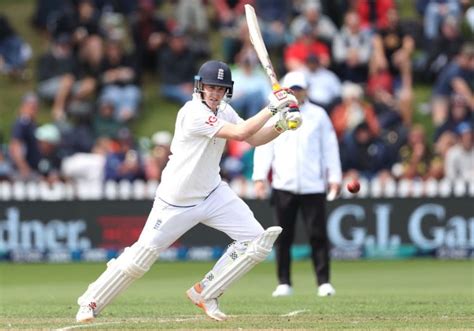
x: 312, y: 16
x: 304, y: 163
x: 324, y: 87
x: 191, y: 192
x: 459, y: 162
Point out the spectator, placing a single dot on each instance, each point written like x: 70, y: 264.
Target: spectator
x: 87, y: 21
x: 469, y: 17
x: 45, y: 12
x: 440, y: 149
x: 149, y: 33
x: 364, y: 154
x: 191, y: 16
x: 81, y: 20
x: 456, y: 78
x: 247, y: 164
x: 440, y: 51
x: 420, y: 7
x: 49, y: 164
x: 6, y: 168
x: 274, y: 16
x: 104, y: 123
x: 351, y: 49
x: 335, y: 9
x: 120, y: 82
x: 324, y: 87
x: 459, y: 162
x: 296, y: 53
x: 23, y: 148
x: 77, y: 135
x: 236, y: 165
x: 230, y: 21
x: 120, y: 7
x: 77, y: 167
x: 177, y: 67
x: 393, y: 132
x: 54, y: 65
x: 158, y: 157
x: 114, y: 18
x: 14, y: 51
x: 380, y: 90
x: 415, y: 157
x: 126, y: 162
x: 312, y: 16
x: 458, y: 112
x: 251, y: 86
x: 435, y: 12
x: 352, y: 112
x: 76, y: 91
x: 373, y: 13
x: 393, y: 48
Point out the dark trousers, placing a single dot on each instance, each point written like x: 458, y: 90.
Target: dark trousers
x: 313, y: 209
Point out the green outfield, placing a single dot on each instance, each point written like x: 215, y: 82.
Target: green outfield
x: 412, y: 294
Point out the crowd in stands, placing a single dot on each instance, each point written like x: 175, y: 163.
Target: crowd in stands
x: 361, y: 60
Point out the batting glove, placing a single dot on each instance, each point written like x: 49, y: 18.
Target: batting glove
x: 280, y: 100
x: 281, y: 125
x: 290, y: 119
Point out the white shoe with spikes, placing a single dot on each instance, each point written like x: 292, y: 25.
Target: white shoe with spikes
x: 210, y: 307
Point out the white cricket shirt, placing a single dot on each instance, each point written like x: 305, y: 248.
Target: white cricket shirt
x: 304, y: 160
x: 192, y: 171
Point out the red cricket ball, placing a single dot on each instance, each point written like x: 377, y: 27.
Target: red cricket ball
x: 353, y: 186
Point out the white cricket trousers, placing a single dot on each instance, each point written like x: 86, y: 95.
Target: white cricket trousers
x: 222, y: 210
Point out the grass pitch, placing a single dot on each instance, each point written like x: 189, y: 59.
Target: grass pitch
x: 411, y: 294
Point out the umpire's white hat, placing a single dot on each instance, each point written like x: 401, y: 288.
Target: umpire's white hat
x: 295, y: 79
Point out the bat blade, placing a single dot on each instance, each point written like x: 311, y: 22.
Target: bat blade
x: 259, y: 46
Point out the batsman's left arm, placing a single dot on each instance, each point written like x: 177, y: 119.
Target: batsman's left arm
x: 280, y: 122
x: 263, y: 136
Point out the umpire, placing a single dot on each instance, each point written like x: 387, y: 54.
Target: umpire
x: 305, y: 164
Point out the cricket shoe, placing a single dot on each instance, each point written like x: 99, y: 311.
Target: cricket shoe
x: 326, y: 290
x: 86, y: 313
x: 210, y: 307
x: 282, y: 290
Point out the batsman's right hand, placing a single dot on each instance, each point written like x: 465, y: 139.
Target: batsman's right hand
x: 289, y: 119
x: 280, y: 100
x: 293, y: 117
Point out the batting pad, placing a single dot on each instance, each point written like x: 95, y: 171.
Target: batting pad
x: 256, y: 252
x: 132, y: 264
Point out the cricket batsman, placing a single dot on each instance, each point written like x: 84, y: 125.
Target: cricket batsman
x: 192, y: 192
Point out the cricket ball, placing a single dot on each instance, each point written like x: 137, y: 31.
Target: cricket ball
x: 353, y: 186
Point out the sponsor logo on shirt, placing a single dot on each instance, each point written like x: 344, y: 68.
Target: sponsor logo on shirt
x: 211, y: 120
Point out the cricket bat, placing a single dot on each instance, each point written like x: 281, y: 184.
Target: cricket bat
x: 257, y: 41
x: 259, y: 46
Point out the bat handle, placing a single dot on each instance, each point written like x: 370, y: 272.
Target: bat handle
x: 276, y: 86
